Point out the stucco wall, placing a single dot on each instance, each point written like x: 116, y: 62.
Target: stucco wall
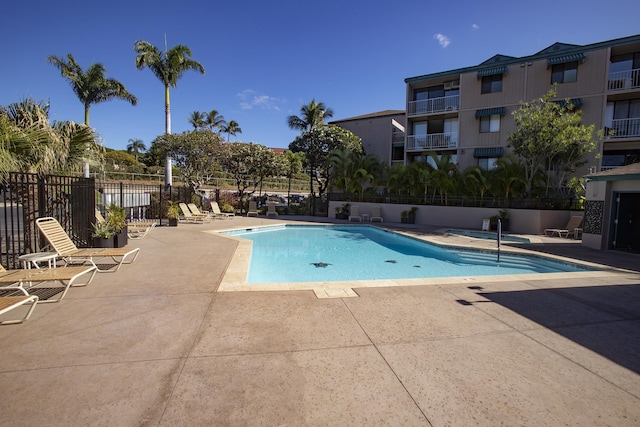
x: 525, y: 221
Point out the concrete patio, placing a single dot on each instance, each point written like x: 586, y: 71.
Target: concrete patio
x: 156, y: 344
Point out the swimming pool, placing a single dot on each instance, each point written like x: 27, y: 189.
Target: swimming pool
x: 488, y: 235
x: 295, y: 253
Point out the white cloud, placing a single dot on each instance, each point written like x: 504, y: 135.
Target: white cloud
x: 442, y: 39
x: 250, y: 98
x: 475, y: 27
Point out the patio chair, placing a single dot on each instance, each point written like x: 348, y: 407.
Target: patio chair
x: 71, y: 254
x: 375, y: 214
x: 137, y: 230
x: 271, y: 210
x: 574, y: 222
x: 9, y: 303
x: 218, y: 213
x: 33, y: 281
x: 253, y: 209
x: 195, y: 210
x: 189, y: 216
x: 354, y: 213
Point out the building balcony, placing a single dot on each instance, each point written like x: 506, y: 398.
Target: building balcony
x: 624, y: 80
x: 624, y: 128
x: 434, y: 105
x: 434, y: 141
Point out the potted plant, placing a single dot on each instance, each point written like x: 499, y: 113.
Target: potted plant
x: 173, y: 213
x: 408, y: 217
x: 503, y: 215
x: 117, y: 220
x: 342, y: 212
x: 102, y: 235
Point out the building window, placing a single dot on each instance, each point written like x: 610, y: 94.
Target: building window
x: 397, y: 152
x: 492, y: 84
x: 487, y: 163
x: 490, y: 123
x: 564, y: 73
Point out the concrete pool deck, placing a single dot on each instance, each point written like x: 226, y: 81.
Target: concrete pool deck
x: 156, y: 344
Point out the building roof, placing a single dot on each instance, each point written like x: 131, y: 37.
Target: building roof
x: 555, y: 49
x: 623, y: 173
x: 371, y: 115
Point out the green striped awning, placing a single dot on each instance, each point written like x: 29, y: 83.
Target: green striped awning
x: 492, y: 71
x: 565, y: 58
x: 488, y: 152
x: 490, y: 112
x: 576, y: 102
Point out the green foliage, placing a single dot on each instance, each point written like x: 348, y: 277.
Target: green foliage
x: 196, y: 154
x: 173, y: 210
x: 90, y: 86
x: 30, y: 143
x: 550, y: 137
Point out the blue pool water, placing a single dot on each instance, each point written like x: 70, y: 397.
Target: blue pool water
x: 488, y: 235
x: 336, y: 253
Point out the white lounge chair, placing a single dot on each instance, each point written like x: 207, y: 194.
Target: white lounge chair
x: 189, y: 216
x: 253, y: 209
x: 12, y: 302
x: 271, y: 210
x: 354, y: 213
x: 574, y: 222
x: 34, y: 280
x: 375, y: 214
x: 70, y: 253
x: 218, y: 213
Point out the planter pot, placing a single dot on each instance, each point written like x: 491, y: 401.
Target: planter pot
x: 121, y: 239
x: 505, y: 224
x: 103, y: 242
x: 173, y: 222
x: 342, y: 216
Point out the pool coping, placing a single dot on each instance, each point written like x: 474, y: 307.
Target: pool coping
x: 234, y: 278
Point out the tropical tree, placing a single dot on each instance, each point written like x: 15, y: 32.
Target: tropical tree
x: 351, y: 170
x: 135, y: 146
x: 231, y: 128
x: 90, y: 86
x: 476, y: 181
x: 197, y: 120
x: 316, y: 144
x: 442, y: 174
x: 312, y: 115
x: 508, y: 178
x: 248, y: 164
x: 30, y: 143
x: 292, y: 166
x: 549, y: 135
x: 215, y: 120
x: 168, y: 67
x: 196, y: 154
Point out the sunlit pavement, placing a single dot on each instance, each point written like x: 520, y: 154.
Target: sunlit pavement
x: 156, y: 344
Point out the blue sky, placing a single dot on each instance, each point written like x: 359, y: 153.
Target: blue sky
x: 265, y: 59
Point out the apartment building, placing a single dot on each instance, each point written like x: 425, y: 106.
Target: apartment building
x: 466, y: 112
x: 382, y: 133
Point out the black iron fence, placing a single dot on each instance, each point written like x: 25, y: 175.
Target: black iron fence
x: 477, y: 202
x: 72, y: 201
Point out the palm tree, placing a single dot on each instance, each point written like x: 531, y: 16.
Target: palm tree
x: 313, y: 116
x: 29, y: 143
x: 232, y: 128
x: 197, y: 119
x: 91, y: 86
x: 168, y: 67
x: 135, y: 146
x: 215, y: 120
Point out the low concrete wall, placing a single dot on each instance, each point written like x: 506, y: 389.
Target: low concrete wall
x: 524, y: 221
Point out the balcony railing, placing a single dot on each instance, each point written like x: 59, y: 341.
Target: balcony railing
x: 623, y: 80
x: 434, y: 105
x: 434, y: 141
x: 625, y: 128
